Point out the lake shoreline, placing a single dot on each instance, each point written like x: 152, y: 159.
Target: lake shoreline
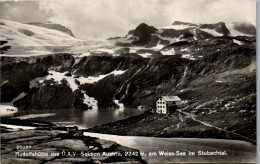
x: 81, y: 118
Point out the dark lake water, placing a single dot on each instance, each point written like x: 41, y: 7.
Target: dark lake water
x: 81, y: 118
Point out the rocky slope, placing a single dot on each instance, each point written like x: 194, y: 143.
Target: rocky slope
x: 216, y: 64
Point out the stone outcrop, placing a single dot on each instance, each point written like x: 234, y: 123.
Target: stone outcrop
x: 60, y: 96
x: 16, y: 73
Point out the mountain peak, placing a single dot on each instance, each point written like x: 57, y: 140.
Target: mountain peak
x: 144, y: 26
x: 143, y: 33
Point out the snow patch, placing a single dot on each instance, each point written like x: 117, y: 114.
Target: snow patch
x: 177, y: 27
x: 7, y: 110
x: 90, y: 101
x: 242, y: 111
x: 158, y: 46
x: 146, y: 55
x: 85, y: 54
x: 110, y: 51
x: 185, y: 49
x: 92, y: 79
x: 17, y: 127
x: 168, y: 52
x: 212, y: 111
x: 4, y: 82
x: 59, y: 76
x: 121, y: 105
x: 117, y: 72
x: 188, y: 56
x: 37, y: 53
x: 171, y: 40
x: 136, y: 48
x: 237, y: 42
x: 212, y: 32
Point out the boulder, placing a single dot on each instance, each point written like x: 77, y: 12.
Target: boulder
x: 105, y: 144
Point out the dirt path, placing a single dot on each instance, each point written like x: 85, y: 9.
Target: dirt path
x: 218, y: 128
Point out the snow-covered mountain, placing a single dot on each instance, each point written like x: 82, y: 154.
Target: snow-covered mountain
x: 149, y: 41
x: 158, y: 37
x: 20, y: 37
x: 29, y: 35
x: 144, y: 41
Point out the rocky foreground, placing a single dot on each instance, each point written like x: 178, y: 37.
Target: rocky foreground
x: 49, y: 143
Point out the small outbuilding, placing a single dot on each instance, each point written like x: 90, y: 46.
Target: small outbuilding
x: 167, y: 104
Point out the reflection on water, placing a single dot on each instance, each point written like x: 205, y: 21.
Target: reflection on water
x: 119, y: 112
x: 81, y: 118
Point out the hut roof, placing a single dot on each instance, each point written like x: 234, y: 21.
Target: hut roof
x: 170, y: 98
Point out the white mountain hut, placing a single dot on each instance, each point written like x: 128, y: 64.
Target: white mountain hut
x: 167, y: 104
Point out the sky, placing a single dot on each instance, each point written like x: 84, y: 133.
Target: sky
x: 101, y: 19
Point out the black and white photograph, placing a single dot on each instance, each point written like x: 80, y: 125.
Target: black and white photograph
x: 128, y: 81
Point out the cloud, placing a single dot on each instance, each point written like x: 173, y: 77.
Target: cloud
x: 234, y: 10
x: 100, y: 19
x: 23, y: 11
x: 106, y: 18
